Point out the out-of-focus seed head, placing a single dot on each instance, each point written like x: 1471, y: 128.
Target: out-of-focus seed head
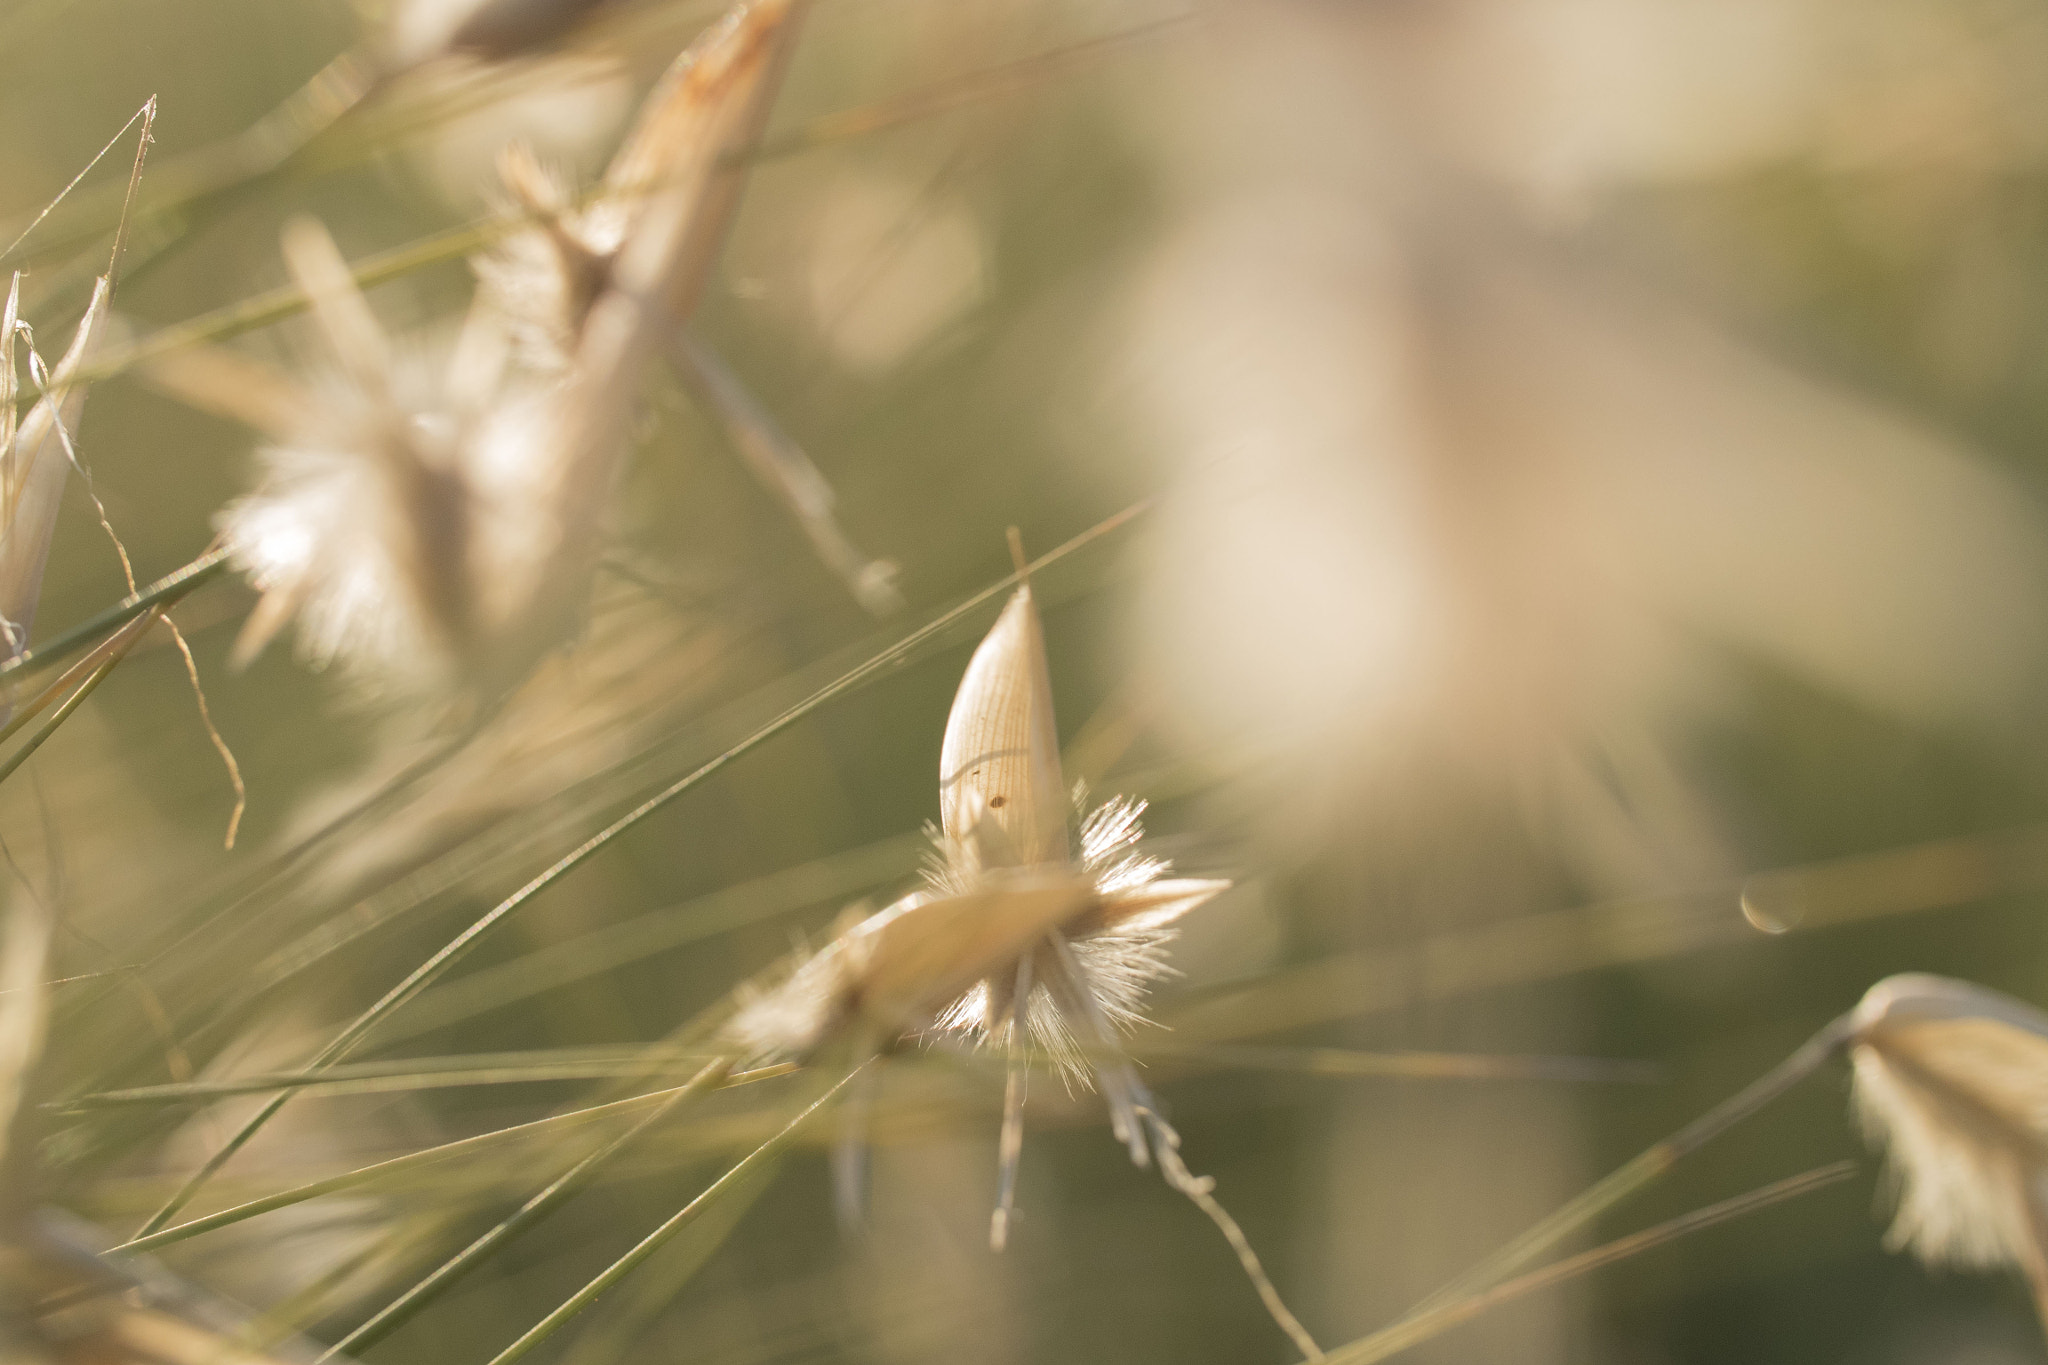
x: 665, y: 199
x: 404, y: 517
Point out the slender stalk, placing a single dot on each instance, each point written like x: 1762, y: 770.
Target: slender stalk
x: 116, y: 653
x: 1644, y: 1168
x: 407, y: 1305
x: 377, y: 1078
x: 1419, y: 1327
x: 412, y: 1161
x: 456, y: 948
x: 166, y: 591
x: 682, y: 1218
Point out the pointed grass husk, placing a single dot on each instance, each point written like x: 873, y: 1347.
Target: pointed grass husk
x: 548, y: 282
x: 703, y: 121
x: 464, y: 528
x: 456, y: 948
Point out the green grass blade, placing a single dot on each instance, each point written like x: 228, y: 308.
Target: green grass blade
x: 1420, y: 1326
x: 689, y: 1213
x: 430, y: 1073
x: 166, y: 591
x: 642, y: 1299
x: 117, y: 650
x: 1644, y: 1168
x: 400, y: 1310
x: 416, y: 1161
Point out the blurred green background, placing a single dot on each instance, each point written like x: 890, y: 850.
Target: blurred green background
x: 1595, y: 448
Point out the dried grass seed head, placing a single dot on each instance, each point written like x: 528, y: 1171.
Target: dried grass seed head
x: 1952, y: 1080
x: 713, y: 104
x: 1005, y: 893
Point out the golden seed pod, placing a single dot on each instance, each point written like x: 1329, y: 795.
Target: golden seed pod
x: 1000, y: 788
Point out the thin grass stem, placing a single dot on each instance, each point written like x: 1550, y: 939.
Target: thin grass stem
x: 403, y: 1308
x: 414, y: 1161
x: 1645, y: 1167
x: 682, y: 1218
x: 117, y: 652
x: 1420, y: 1326
x: 166, y: 591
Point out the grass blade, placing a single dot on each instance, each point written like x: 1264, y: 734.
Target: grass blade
x: 116, y: 650
x: 400, y: 1310
x: 416, y: 1161
x: 1644, y: 1168
x: 166, y: 592
x: 1420, y: 1326
x: 683, y: 1217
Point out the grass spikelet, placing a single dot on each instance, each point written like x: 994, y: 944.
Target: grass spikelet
x: 1014, y: 932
